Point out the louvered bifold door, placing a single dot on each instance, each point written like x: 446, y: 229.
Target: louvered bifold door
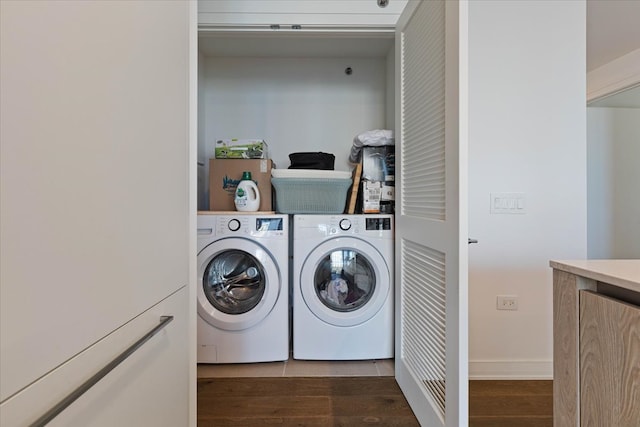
x: 431, y: 212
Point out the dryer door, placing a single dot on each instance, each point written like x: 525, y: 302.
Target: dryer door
x: 345, y: 281
x: 239, y: 283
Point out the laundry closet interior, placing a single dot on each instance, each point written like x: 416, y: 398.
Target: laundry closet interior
x: 297, y: 91
x: 302, y: 82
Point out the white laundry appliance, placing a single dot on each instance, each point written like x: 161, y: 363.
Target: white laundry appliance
x: 243, y: 288
x: 343, y: 287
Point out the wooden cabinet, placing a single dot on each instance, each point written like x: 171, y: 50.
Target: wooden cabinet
x: 609, y: 361
x: 310, y: 14
x: 596, y: 335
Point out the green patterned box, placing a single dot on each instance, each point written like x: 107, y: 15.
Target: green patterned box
x: 241, y: 149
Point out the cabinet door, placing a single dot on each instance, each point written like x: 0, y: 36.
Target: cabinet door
x: 307, y: 13
x: 149, y: 388
x: 95, y: 185
x: 609, y: 362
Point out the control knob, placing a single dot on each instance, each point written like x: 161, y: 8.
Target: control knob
x: 345, y: 224
x: 234, y: 225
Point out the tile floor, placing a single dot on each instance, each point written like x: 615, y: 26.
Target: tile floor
x: 300, y: 368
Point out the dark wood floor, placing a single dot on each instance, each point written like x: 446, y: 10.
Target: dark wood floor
x: 359, y: 401
x: 510, y: 403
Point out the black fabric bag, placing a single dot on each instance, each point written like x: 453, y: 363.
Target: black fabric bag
x: 318, y: 160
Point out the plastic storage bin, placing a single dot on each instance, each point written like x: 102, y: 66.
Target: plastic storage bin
x: 305, y: 191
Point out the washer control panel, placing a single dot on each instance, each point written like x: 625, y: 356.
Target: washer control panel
x: 251, y: 225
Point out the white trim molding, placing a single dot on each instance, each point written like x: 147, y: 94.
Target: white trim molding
x: 511, y: 369
x: 615, y: 76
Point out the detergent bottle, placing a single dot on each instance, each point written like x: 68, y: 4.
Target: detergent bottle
x: 247, y: 198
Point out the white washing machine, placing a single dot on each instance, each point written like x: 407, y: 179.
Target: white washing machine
x: 343, y: 287
x: 243, y: 288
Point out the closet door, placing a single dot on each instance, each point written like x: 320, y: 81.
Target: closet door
x: 431, y: 214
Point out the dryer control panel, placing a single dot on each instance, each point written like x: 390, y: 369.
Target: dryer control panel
x: 372, y: 226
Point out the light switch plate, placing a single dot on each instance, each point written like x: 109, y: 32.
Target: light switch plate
x: 508, y: 203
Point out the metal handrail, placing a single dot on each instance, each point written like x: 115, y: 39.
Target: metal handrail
x: 74, y: 395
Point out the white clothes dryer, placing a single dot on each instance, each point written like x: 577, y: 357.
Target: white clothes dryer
x: 343, y: 287
x: 243, y: 288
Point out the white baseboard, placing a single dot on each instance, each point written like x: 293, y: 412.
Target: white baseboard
x: 511, y: 369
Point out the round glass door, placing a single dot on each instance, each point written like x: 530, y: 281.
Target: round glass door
x: 234, y: 282
x: 238, y: 284
x: 344, y: 280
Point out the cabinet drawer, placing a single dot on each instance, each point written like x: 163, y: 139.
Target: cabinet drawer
x: 155, y: 376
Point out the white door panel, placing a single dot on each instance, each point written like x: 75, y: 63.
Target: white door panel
x: 431, y: 212
x: 95, y: 173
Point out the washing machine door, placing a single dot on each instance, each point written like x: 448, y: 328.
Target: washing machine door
x: 345, y: 281
x: 239, y: 283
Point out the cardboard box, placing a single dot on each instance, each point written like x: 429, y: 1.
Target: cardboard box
x: 241, y: 149
x: 377, y: 197
x: 225, y: 174
x: 371, y: 193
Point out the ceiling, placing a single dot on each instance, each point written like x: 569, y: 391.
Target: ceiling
x: 613, y: 30
x: 292, y: 44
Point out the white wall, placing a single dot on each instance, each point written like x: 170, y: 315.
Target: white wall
x: 527, y: 134
x: 203, y: 157
x: 294, y: 104
x: 390, y: 121
x: 613, y: 177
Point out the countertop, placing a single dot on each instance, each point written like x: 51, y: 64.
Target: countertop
x: 624, y: 273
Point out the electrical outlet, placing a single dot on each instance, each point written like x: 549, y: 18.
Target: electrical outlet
x: 507, y: 302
